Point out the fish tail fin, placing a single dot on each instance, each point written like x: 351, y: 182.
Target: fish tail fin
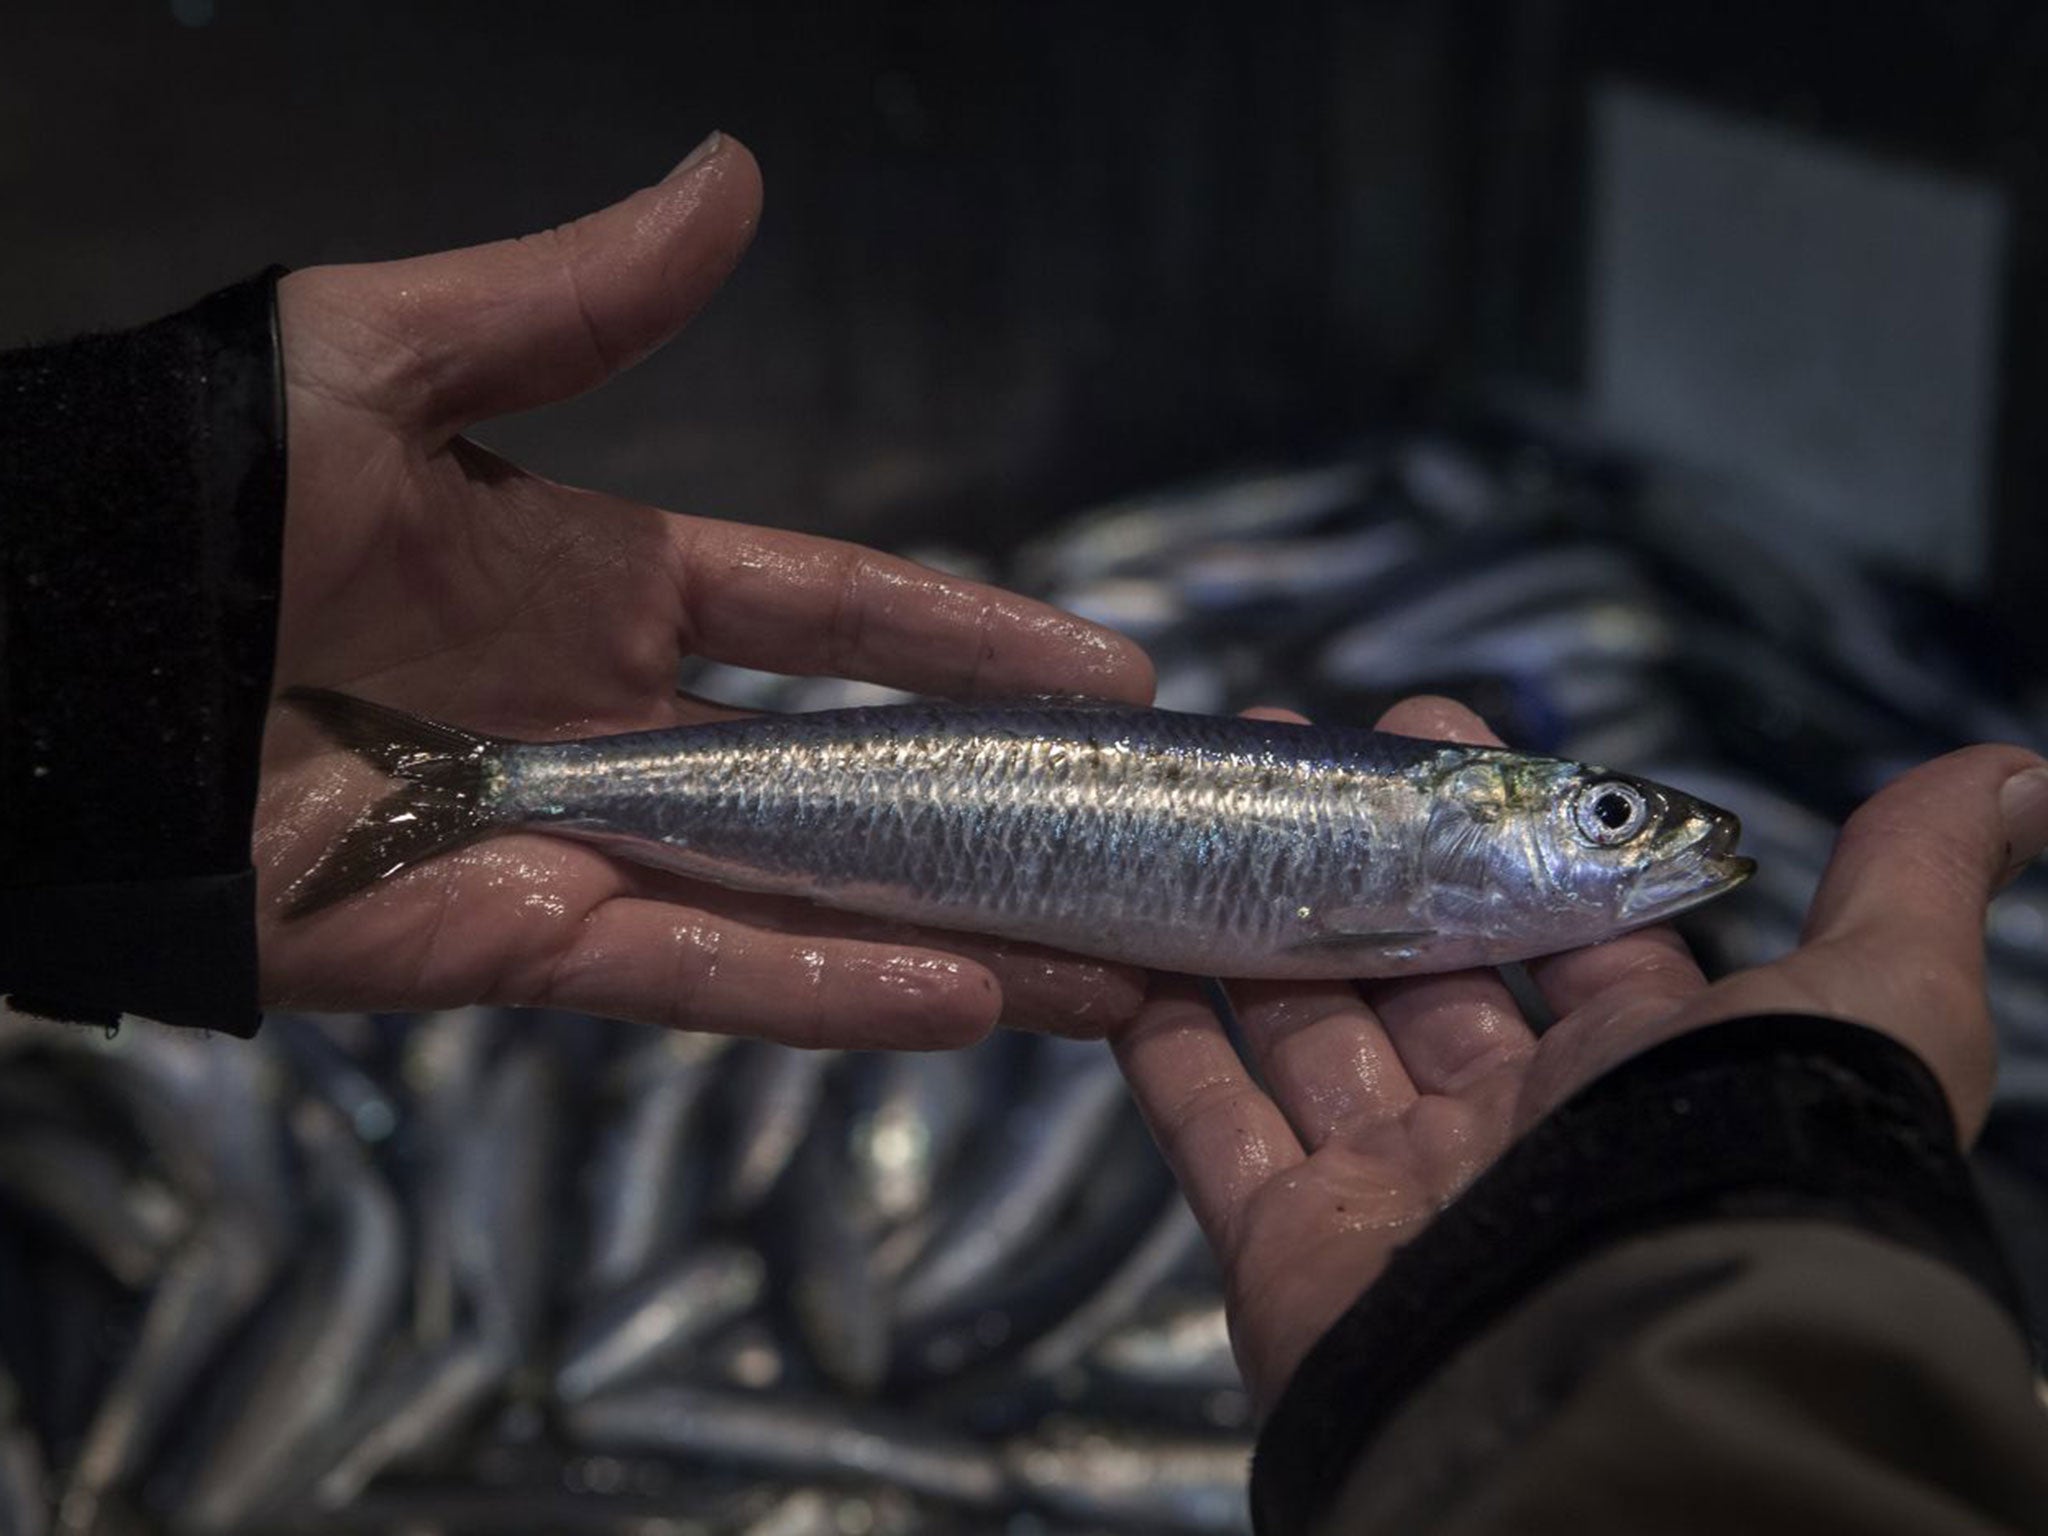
x: 443, y: 800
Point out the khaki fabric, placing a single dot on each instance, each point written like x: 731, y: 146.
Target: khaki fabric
x: 1735, y: 1377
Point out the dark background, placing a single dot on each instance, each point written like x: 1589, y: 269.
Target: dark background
x: 1016, y: 256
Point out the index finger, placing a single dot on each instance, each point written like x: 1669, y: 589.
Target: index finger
x: 797, y: 603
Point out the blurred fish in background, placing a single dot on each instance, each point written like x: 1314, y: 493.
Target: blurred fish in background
x: 508, y: 1272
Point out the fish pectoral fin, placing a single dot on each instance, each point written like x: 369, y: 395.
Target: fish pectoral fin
x: 1336, y: 933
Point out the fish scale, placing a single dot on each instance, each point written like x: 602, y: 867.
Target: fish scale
x: 1218, y: 845
x: 1028, y: 818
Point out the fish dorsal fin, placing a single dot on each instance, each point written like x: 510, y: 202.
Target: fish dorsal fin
x: 1084, y: 701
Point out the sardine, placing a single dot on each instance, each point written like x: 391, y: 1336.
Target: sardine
x: 1474, y: 599
x: 1144, y: 608
x: 1175, y: 1366
x: 1225, y: 576
x: 416, y: 1403
x: 207, y: 1289
x: 1132, y: 534
x: 788, y: 1436
x: 1105, y: 1473
x: 503, y: 1195
x: 24, y: 1508
x: 911, y: 1111
x: 305, y: 1370
x: 670, y: 1309
x: 1047, y: 1141
x: 1219, y: 846
x: 586, y: 1496
x: 1591, y: 633
x: 1188, y: 1348
x: 966, y: 1356
x: 1169, y: 1245
x: 643, y: 1184
x: 770, y: 1094
x: 819, y: 1512
x: 73, y: 1181
x: 210, y: 1113
x: 444, y: 1062
x: 820, y: 1234
x: 328, y: 1070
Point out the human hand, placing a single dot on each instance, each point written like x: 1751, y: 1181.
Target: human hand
x: 1384, y: 1101
x: 424, y: 572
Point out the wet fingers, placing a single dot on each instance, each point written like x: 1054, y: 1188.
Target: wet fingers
x: 652, y: 962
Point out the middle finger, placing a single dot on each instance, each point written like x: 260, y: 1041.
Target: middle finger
x: 1338, y: 1063
x: 1324, y: 1055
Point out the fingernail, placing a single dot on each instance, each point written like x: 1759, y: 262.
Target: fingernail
x: 2023, y: 802
x: 697, y: 156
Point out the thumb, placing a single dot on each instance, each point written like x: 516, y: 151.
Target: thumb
x: 1895, y: 936
x: 1915, y: 866
x: 452, y: 339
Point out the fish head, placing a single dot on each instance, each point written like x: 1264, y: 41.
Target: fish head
x: 1631, y: 849
x: 1535, y: 855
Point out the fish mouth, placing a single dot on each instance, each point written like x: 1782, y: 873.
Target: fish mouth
x: 1704, y: 869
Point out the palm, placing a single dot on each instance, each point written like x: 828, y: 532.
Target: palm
x: 422, y: 571
x: 1377, y: 1105
x: 1311, y: 1238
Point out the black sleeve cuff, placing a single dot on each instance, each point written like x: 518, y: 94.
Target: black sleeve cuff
x: 142, y: 484
x: 1779, y: 1116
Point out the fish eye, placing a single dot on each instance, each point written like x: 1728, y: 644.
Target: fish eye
x: 1610, y: 813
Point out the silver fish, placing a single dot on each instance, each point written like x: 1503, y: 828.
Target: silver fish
x: 787, y: 1436
x: 207, y: 1289
x: 1220, y: 846
x: 23, y: 1511
x: 343, y: 1305
x: 821, y: 1235
x: 771, y: 1094
x: 1132, y: 535
x: 503, y: 1196
x: 1045, y: 1145
x: 1223, y: 576
x: 1105, y: 1473
x: 1447, y: 607
x: 210, y: 1113
x: 446, y: 1061
x: 1188, y: 1348
x: 913, y: 1111
x: 75, y: 1182
x: 667, y: 1311
x: 1596, y: 632
x: 328, y: 1070
x: 642, y: 1185
x: 418, y: 1402
x: 1170, y: 1244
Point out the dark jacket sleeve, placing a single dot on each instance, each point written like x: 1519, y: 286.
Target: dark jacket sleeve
x: 1742, y: 1283
x: 141, y: 521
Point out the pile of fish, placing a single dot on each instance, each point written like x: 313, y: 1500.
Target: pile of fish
x: 495, y: 1272
x: 491, y: 1272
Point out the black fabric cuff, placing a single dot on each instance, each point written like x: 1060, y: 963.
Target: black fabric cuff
x: 142, y: 486
x: 1783, y: 1116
